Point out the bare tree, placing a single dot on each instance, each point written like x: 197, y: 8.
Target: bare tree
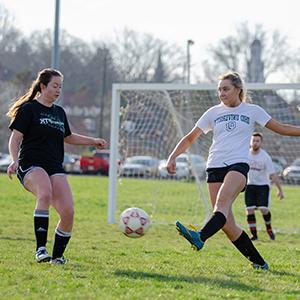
x: 292, y: 73
x: 7, y: 93
x: 135, y: 55
x: 233, y: 52
x: 8, y: 32
x: 9, y: 41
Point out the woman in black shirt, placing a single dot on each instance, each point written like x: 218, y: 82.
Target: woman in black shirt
x: 39, y: 130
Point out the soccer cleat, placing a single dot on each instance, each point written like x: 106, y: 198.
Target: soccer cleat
x: 260, y: 267
x: 58, y: 261
x: 254, y: 238
x: 271, y: 235
x: 42, y: 255
x: 192, y: 236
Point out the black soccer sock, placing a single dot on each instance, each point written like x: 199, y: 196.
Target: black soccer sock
x: 60, y: 243
x: 252, y: 224
x: 267, y: 218
x: 246, y: 247
x: 41, y: 223
x: 215, y: 223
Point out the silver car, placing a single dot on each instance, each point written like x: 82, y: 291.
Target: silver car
x: 182, y: 170
x: 5, y: 161
x: 140, y: 166
x: 195, y: 162
x: 291, y: 174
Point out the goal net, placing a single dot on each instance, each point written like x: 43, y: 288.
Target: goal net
x: 147, y: 122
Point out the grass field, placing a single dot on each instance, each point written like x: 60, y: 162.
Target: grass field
x: 104, y: 264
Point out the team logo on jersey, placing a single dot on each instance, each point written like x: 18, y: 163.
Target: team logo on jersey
x: 256, y: 165
x: 231, y: 125
x: 51, y: 121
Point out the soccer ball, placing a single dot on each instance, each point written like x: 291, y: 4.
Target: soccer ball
x: 134, y: 222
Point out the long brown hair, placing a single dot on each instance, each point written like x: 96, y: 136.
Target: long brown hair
x: 44, y: 77
x: 237, y: 82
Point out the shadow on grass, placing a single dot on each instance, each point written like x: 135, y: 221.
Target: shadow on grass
x: 188, y: 279
x: 284, y: 273
x: 16, y: 238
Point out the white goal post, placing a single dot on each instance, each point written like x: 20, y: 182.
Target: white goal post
x: 291, y: 92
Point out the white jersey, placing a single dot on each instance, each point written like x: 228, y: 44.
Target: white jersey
x: 261, y: 167
x: 232, y: 129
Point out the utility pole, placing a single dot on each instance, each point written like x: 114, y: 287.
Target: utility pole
x: 55, y: 60
x: 55, y: 49
x: 104, y: 91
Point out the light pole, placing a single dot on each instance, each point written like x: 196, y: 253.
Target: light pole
x: 188, y: 45
x: 55, y: 60
x: 55, y: 49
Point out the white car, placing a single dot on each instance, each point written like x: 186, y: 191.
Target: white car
x: 140, y: 166
x: 4, y: 162
x: 182, y: 170
x: 291, y: 173
x: 195, y: 162
x: 186, y: 165
x: 71, y: 163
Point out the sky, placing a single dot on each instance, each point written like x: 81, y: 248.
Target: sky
x: 175, y: 21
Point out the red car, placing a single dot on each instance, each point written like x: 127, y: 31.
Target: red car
x: 98, y: 163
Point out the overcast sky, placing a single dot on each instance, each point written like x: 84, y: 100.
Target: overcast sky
x: 205, y: 22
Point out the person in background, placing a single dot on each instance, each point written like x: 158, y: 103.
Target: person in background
x: 232, y: 123
x: 257, y: 193
x: 39, y: 129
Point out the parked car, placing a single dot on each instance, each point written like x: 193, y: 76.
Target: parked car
x: 291, y: 174
x: 182, y: 170
x: 3, y: 155
x: 140, y: 166
x: 193, y: 161
x: 280, y: 161
x: 72, y: 163
x: 97, y: 163
x: 278, y: 168
x: 5, y: 161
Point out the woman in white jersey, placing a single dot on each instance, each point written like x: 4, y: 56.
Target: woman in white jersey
x: 232, y: 122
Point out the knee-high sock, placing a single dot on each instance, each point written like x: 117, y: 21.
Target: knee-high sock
x: 215, y: 223
x: 252, y: 224
x: 41, y: 223
x: 267, y: 218
x: 60, y: 243
x: 246, y: 247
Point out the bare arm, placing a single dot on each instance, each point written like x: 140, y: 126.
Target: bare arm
x: 181, y: 147
x: 77, y: 139
x: 283, y: 129
x: 275, y: 179
x: 14, y: 143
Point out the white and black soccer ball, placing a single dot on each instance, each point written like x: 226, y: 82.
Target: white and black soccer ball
x: 134, y: 222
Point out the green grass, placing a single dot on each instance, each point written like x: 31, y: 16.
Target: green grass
x: 104, y: 264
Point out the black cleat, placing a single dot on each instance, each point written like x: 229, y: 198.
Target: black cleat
x: 58, y: 261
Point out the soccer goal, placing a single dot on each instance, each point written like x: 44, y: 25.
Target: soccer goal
x: 147, y: 120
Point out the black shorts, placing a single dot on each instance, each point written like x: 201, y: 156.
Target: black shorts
x: 23, y: 170
x: 257, y: 196
x: 218, y: 174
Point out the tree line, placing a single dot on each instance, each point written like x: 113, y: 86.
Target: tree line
x: 90, y: 69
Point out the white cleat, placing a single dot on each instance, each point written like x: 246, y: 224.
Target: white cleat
x: 42, y: 255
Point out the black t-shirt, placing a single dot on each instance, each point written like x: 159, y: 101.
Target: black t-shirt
x: 44, y: 129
